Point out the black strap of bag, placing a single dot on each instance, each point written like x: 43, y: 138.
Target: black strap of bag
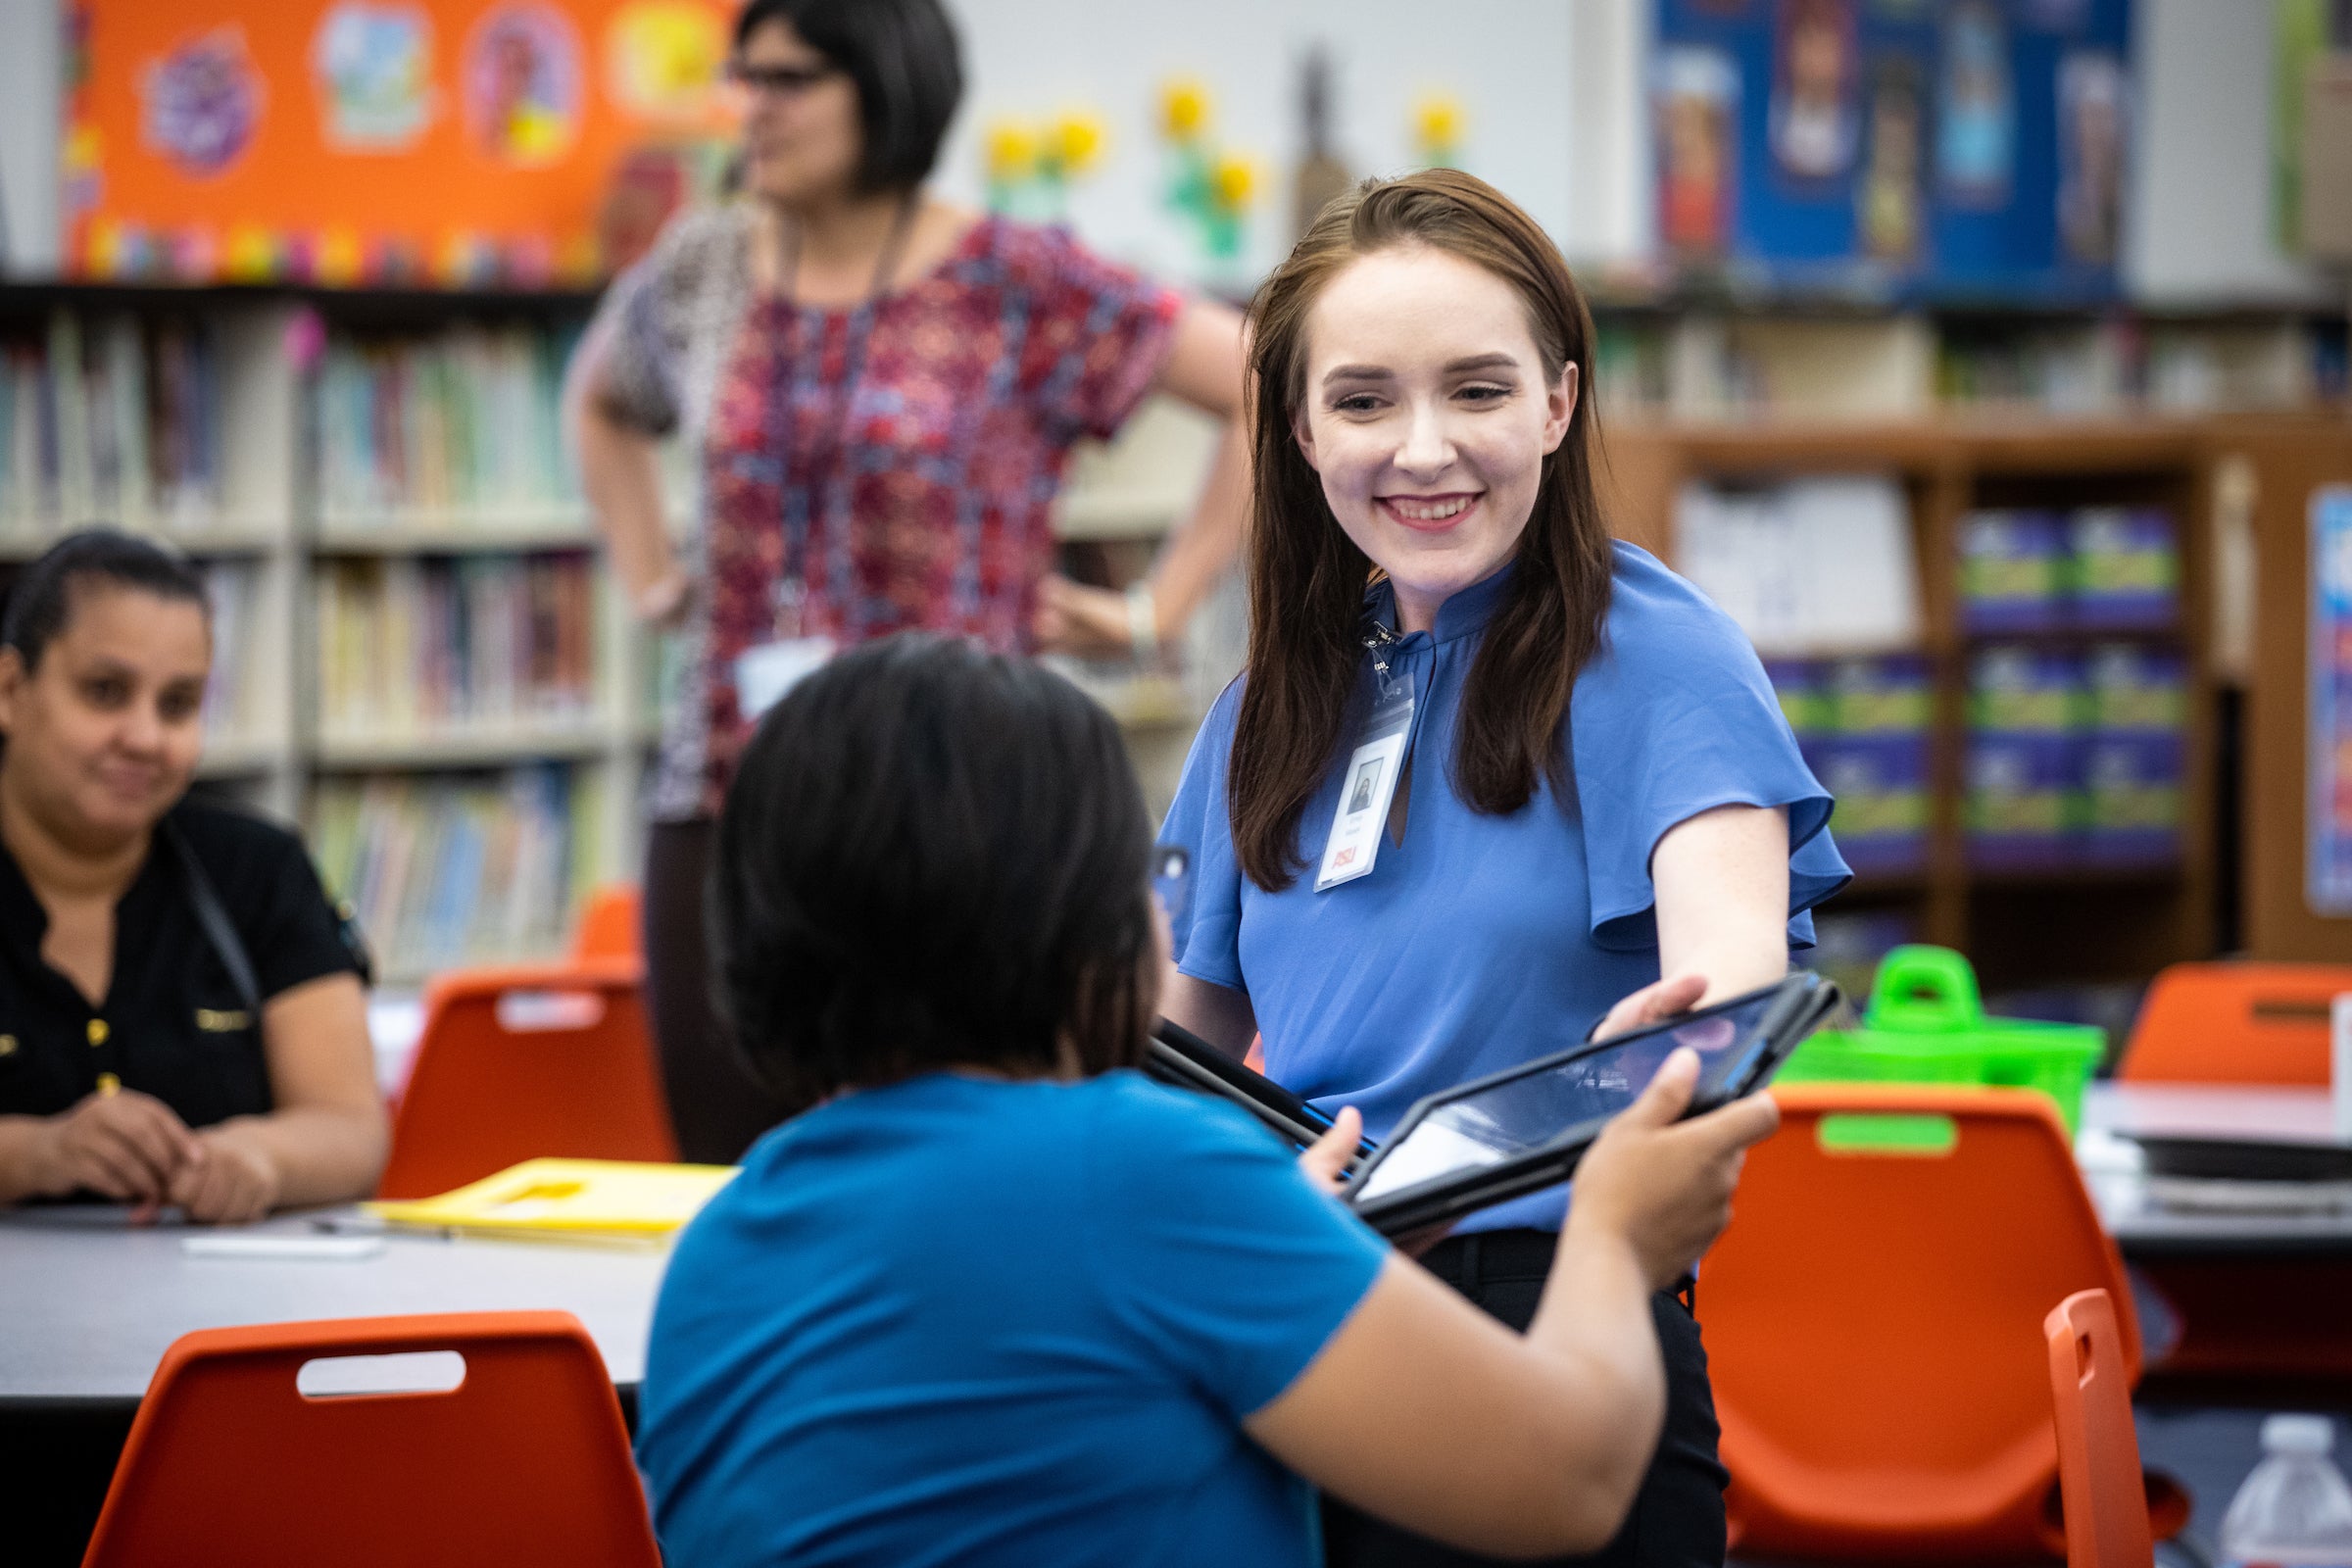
x: 219, y: 929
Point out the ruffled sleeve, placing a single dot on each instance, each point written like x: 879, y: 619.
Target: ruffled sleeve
x: 1098, y: 334
x: 1672, y: 717
x: 649, y: 321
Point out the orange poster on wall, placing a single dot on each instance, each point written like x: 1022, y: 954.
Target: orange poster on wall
x: 469, y: 142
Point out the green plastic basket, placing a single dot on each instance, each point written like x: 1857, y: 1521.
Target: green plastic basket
x: 1926, y: 1024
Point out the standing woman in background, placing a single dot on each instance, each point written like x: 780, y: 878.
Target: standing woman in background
x: 882, y: 391
x: 1584, y: 812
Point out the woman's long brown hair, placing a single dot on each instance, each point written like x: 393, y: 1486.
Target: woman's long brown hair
x: 1307, y: 577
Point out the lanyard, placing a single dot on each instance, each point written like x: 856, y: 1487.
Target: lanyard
x: 1368, y: 786
x: 792, y: 582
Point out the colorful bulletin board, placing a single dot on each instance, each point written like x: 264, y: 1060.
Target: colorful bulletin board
x: 2328, y: 881
x: 378, y: 141
x: 1955, y: 149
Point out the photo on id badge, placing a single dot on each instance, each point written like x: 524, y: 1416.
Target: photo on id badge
x: 1366, y: 777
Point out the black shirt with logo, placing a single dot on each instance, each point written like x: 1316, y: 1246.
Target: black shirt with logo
x: 171, y: 1024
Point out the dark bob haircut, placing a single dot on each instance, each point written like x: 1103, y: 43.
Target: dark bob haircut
x: 932, y: 856
x: 907, y: 67
x: 41, y: 600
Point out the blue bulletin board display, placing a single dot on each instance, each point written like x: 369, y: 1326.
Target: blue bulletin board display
x: 2328, y: 881
x: 1912, y: 149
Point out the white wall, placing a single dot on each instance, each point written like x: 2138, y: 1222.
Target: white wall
x: 1509, y: 62
x: 2200, y: 225
x: 29, y: 48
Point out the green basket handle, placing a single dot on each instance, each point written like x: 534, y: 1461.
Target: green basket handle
x: 1924, y: 989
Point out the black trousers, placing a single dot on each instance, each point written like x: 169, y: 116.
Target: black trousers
x: 1677, y: 1519
x: 716, y: 1108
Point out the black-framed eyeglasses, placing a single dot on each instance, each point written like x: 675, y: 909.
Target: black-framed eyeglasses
x: 781, y: 81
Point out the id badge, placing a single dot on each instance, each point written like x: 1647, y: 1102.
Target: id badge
x: 1368, y: 787
x: 763, y: 674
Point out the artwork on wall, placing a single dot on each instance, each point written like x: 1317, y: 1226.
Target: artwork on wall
x: 1895, y: 149
x: 413, y: 142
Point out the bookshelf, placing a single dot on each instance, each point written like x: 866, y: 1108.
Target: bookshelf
x: 420, y: 660
x: 2083, y: 910
x: 1709, y: 356
x: 338, y: 710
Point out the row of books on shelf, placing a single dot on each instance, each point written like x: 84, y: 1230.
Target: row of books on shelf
x: 451, y: 870
x: 421, y: 645
x: 1808, y: 564
x: 463, y: 423
x: 115, y: 418
x: 2096, y: 369
x: 2094, y: 569
x: 230, y: 699
x: 2073, y: 756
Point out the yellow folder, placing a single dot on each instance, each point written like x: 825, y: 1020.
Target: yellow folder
x: 578, y: 1197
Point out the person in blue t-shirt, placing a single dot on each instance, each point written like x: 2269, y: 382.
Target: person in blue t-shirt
x: 1594, y: 816
x: 994, y: 1298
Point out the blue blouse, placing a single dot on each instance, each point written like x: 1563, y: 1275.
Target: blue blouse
x: 1481, y: 941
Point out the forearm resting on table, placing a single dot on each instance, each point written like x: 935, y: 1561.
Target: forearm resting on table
x: 24, y: 1158
x: 323, y: 1153
x: 327, y: 1137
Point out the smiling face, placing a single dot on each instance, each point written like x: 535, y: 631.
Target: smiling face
x: 1427, y: 415
x: 801, y: 135
x: 103, y: 734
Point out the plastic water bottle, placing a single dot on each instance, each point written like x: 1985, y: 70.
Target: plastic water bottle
x: 2295, y: 1510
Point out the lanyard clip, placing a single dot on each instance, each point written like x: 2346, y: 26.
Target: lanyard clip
x: 1376, y: 641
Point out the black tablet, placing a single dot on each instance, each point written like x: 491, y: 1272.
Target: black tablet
x: 1183, y: 1058
x: 1522, y: 1130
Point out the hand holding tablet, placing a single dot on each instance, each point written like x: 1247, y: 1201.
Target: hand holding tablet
x: 1527, y: 1128
x: 1662, y: 1182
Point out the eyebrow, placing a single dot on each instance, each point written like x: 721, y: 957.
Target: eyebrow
x: 1461, y: 367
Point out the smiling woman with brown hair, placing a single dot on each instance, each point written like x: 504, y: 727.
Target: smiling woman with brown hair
x: 182, y: 1018
x: 1586, y: 812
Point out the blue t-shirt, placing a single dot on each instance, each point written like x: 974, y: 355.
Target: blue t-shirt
x: 980, y: 1322
x: 1482, y: 942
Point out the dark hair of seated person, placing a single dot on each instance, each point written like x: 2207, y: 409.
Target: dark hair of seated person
x: 40, y: 603
x: 932, y: 856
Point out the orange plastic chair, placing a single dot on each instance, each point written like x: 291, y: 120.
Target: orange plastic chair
x: 516, y: 1063
x: 2241, y: 1023
x: 524, y: 1463
x: 1871, y: 1321
x: 610, y: 924
x: 2098, y: 1447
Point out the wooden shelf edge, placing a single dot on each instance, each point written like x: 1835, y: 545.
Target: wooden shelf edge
x: 482, y: 745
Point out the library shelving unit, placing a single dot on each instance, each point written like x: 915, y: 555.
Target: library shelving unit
x: 1697, y: 355
x: 2055, y: 923
x: 364, y: 473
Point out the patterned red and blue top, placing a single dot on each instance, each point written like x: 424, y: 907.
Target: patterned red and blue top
x: 880, y: 468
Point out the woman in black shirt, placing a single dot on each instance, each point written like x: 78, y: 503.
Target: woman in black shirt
x: 180, y: 1020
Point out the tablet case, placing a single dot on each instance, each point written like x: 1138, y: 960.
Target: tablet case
x: 1810, y: 1001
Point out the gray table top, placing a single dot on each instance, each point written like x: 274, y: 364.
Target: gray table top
x: 2169, y: 1217
x: 89, y: 1306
